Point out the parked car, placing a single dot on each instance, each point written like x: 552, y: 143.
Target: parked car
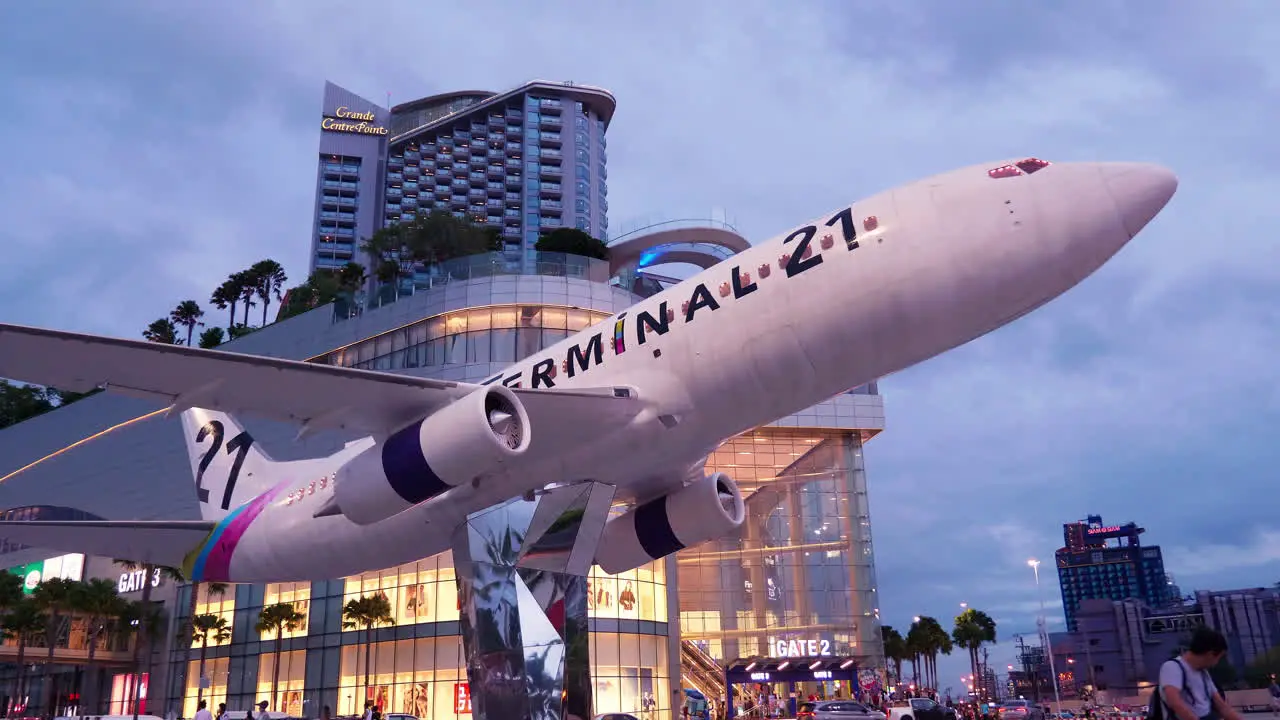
x: 1020, y: 710
x: 842, y: 710
x: 921, y: 709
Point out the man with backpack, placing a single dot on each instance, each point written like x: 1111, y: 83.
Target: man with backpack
x: 1186, y: 692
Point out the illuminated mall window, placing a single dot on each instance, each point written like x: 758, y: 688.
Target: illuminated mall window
x: 122, y: 690
x: 210, y: 600
x: 630, y: 674
x: 419, y: 677
x: 292, y: 678
x: 639, y: 594
x: 418, y: 592
x: 501, y: 333
x: 216, y: 670
x: 296, y: 594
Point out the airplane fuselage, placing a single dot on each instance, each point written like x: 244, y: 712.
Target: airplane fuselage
x: 853, y: 295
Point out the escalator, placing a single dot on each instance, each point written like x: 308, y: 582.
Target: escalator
x: 698, y: 670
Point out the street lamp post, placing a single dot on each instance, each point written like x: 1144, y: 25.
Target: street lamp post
x: 1044, y: 637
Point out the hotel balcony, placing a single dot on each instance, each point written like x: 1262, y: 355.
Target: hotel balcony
x: 550, y: 138
x: 514, y: 116
x: 550, y: 171
x: 551, y: 121
x: 549, y: 189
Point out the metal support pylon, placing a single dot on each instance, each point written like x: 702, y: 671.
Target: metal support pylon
x: 522, y: 582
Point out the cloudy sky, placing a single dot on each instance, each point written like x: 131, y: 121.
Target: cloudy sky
x: 155, y: 147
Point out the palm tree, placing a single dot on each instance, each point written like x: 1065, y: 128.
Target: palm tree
x: 98, y: 600
x: 246, y: 286
x: 974, y: 629
x: 276, y: 619
x: 187, y: 314
x: 211, y: 589
x: 270, y: 280
x: 161, y: 331
x: 366, y: 613
x: 895, y: 650
x: 916, y: 649
x: 226, y: 296
x: 146, y: 622
x: 55, y: 597
x: 23, y: 622
x: 204, y: 627
x: 352, y: 277
x: 211, y: 338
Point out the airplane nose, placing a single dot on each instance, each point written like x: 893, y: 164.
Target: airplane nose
x: 1140, y: 191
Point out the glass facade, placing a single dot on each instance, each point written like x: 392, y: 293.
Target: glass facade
x: 415, y: 665
x: 801, y: 567
x: 498, y: 333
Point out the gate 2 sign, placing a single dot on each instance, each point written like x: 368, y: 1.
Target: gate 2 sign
x: 801, y: 648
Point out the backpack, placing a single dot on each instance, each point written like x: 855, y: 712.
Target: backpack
x: 1156, y: 706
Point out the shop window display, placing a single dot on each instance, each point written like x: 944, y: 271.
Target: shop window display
x: 639, y: 594
x: 292, y: 678
x: 418, y: 592
x: 418, y: 677
x: 630, y: 675
x: 296, y: 594
x: 222, y: 604
x: 216, y: 669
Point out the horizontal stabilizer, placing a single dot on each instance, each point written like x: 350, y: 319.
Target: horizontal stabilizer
x: 153, y: 542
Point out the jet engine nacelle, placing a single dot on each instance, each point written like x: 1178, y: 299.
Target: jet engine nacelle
x: 466, y: 439
x: 692, y: 515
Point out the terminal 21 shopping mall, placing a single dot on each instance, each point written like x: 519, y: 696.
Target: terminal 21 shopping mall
x: 785, y: 606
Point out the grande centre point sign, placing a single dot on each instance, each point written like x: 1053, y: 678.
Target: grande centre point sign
x: 346, y: 120
x: 68, y: 567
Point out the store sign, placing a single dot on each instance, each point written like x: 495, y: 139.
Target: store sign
x: 461, y: 699
x: 759, y: 677
x: 67, y: 567
x: 1104, y: 530
x: 821, y: 674
x: 801, y: 648
x: 132, y: 581
x: 349, y: 121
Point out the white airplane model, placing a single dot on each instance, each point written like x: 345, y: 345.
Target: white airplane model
x: 637, y: 401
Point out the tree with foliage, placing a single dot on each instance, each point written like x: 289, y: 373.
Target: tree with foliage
x: 23, y: 623
x: 915, y: 652
x: 55, y: 597
x: 895, y: 649
x: 245, y: 286
x: 239, y: 331
x: 277, y: 619
x: 187, y: 315
x: 211, y: 338
x: 227, y: 295
x: 102, y: 607
x: 323, y: 287
x: 932, y: 640
x: 161, y: 331
x: 366, y: 613
x: 147, y: 616
x: 973, y: 629
x: 21, y: 402
x: 435, y: 238
x: 269, y: 278
x: 573, y: 242
x: 205, y: 627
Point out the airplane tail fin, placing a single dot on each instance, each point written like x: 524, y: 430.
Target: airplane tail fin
x: 228, y: 465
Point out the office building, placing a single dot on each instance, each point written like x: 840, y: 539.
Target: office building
x: 525, y: 161
x: 1109, y: 562
x: 800, y: 575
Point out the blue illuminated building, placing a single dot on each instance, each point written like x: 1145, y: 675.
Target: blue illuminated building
x: 1108, y: 562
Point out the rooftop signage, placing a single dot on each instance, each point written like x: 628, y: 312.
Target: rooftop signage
x: 1105, y: 530
x: 349, y: 121
x: 69, y: 567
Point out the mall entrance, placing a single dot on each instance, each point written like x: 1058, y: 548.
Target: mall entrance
x: 775, y: 687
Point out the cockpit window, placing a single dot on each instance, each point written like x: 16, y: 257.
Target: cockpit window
x: 1022, y: 167
x: 1031, y: 165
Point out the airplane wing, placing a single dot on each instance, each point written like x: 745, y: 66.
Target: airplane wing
x: 317, y: 396
x: 156, y: 542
